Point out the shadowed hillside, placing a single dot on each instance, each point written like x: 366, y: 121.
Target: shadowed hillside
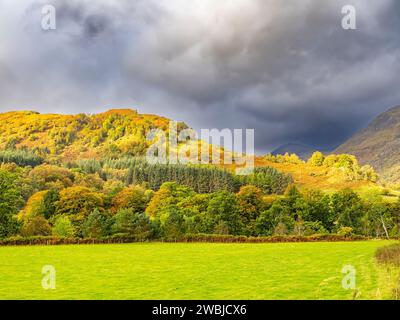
x: 378, y: 145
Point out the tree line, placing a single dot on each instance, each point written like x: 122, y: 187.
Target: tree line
x: 50, y: 200
x: 201, y: 178
x: 21, y: 157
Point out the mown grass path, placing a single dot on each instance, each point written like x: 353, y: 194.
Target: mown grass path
x: 195, y: 271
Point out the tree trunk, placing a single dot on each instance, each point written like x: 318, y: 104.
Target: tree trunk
x: 384, y: 227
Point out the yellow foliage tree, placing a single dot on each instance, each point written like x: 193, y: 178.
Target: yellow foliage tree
x: 78, y: 202
x: 34, y: 206
x: 133, y: 197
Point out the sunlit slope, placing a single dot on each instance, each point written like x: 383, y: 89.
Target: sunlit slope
x: 70, y: 137
x: 122, y: 132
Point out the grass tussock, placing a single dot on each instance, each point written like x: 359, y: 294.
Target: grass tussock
x: 389, y: 255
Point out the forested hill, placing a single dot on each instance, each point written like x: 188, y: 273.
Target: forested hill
x: 81, y: 176
x: 29, y: 138
x: 71, y: 137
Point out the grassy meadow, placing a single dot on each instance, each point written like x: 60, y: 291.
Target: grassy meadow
x: 196, y: 271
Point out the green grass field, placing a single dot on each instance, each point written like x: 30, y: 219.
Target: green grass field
x: 195, y: 271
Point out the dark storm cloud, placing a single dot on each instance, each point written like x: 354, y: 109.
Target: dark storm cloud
x: 287, y: 69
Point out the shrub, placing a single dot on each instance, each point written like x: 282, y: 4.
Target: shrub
x: 317, y: 159
x: 345, y: 231
x: 313, y: 227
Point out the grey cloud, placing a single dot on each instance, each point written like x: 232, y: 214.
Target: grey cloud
x: 287, y: 69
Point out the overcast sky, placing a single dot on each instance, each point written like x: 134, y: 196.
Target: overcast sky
x: 285, y: 68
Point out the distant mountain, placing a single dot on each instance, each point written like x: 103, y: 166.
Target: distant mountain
x: 378, y: 145
x: 304, y: 152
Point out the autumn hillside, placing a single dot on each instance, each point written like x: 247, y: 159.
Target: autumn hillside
x: 71, y: 137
